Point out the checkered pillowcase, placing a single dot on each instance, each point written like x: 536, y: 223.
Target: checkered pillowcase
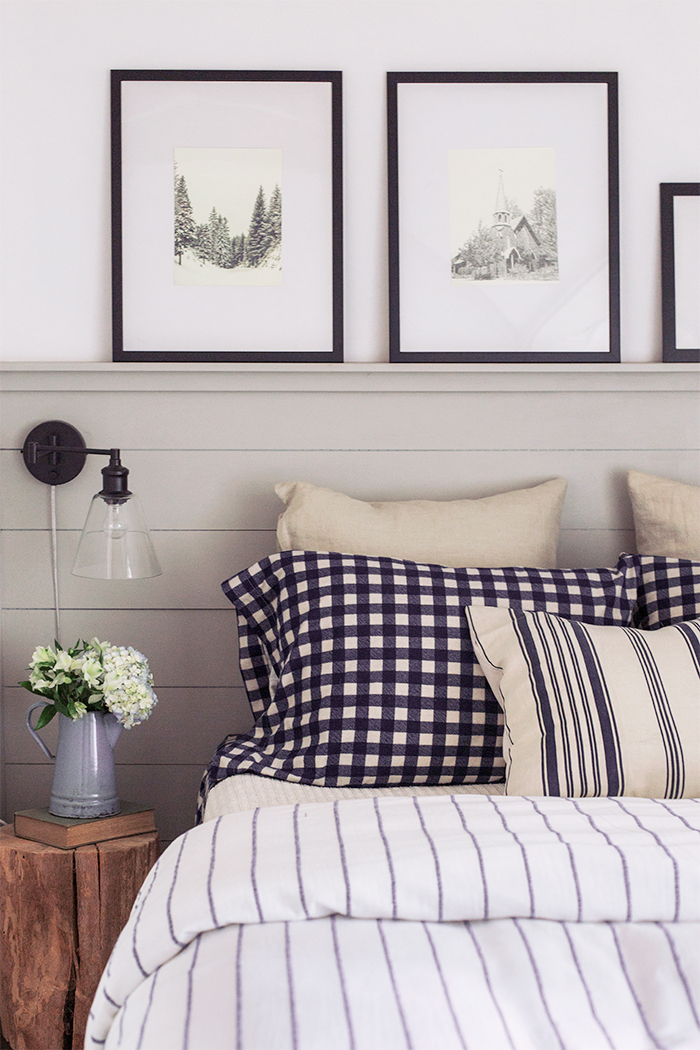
x: 669, y: 591
x: 360, y: 671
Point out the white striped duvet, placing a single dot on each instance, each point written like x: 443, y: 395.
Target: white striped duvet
x: 534, y: 923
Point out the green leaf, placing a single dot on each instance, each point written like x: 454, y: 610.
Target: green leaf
x: 28, y: 687
x: 45, y: 716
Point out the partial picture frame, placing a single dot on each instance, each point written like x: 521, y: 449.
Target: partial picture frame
x: 227, y: 215
x: 503, y: 217
x: 680, y: 270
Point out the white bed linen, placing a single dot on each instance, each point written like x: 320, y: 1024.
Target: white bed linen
x: 534, y: 923
x: 248, y: 791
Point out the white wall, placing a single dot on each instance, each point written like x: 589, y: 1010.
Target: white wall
x: 55, y: 57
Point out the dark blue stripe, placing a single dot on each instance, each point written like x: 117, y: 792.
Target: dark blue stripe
x: 691, y: 636
x: 613, y: 845
x: 487, y: 979
x: 341, y: 846
x: 633, y: 991
x: 445, y: 990
x: 388, y: 857
x: 438, y: 878
x: 477, y: 847
x: 538, y: 981
x: 574, y: 872
x: 341, y: 977
x: 664, y: 847
x: 190, y: 980
x: 614, y: 772
x: 579, y: 971
x: 212, y: 861
x: 253, y: 862
x: 239, y: 989
x: 526, y: 865
x: 668, y: 730
x: 171, y: 891
x: 297, y: 855
x: 550, y: 646
x: 548, y: 756
x: 290, y: 983
x: 681, y: 973
x: 392, y: 978
x: 589, y: 757
x: 147, y: 1010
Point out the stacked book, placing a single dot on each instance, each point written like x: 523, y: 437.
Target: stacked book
x: 69, y: 832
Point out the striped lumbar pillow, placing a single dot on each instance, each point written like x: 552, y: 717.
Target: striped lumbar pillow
x: 593, y: 710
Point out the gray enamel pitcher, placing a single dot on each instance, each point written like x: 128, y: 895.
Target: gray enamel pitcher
x: 84, y: 780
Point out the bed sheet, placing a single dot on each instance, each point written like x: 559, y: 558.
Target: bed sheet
x: 422, y: 922
x: 249, y: 791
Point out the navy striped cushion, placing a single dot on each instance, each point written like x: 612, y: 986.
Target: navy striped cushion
x: 360, y: 670
x: 593, y: 710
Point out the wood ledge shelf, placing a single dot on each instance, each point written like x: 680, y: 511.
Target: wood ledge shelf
x: 348, y: 377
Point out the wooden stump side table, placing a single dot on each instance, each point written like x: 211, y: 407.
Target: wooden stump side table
x: 62, y: 911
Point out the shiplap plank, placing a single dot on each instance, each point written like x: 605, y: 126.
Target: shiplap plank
x: 235, y: 490
x: 593, y: 548
x: 187, y: 725
x: 169, y: 789
x: 191, y: 647
x: 194, y: 565
x: 423, y: 419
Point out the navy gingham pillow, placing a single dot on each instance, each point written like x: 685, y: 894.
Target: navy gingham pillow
x: 669, y: 591
x: 360, y: 671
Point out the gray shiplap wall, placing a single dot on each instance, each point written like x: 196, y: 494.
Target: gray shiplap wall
x: 205, y: 446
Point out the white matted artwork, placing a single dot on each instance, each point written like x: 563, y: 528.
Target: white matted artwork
x: 680, y: 270
x: 503, y: 217
x: 211, y: 173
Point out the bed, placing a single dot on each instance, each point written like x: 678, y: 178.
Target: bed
x: 466, y: 814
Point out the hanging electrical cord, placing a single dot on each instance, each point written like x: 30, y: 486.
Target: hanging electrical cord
x: 54, y: 564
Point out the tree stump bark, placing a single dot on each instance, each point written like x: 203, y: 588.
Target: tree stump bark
x: 62, y: 913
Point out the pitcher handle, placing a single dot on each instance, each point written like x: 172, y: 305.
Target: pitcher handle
x: 32, y: 730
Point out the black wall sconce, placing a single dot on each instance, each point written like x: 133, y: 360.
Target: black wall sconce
x: 116, y: 543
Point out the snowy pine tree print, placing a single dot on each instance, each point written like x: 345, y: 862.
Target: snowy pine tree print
x: 228, y: 216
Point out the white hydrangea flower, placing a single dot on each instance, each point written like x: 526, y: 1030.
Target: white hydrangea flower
x: 128, y: 685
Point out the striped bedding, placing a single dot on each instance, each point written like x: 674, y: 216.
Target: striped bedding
x: 463, y: 921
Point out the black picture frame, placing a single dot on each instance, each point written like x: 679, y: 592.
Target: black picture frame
x: 680, y: 271
x: 435, y: 117
x: 207, y: 116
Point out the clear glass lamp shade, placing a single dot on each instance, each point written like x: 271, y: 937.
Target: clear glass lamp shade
x: 116, y: 543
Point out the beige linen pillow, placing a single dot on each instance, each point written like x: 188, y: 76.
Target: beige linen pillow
x: 512, y: 528
x: 666, y: 516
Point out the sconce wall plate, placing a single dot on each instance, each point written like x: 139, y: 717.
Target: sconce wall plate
x: 55, y: 469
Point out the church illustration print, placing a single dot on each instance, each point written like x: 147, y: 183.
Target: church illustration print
x: 515, y: 246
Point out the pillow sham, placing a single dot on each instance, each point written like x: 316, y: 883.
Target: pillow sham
x: 666, y: 516
x: 669, y: 591
x: 360, y: 671
x: 593, y: 710
x: 512, y: 528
